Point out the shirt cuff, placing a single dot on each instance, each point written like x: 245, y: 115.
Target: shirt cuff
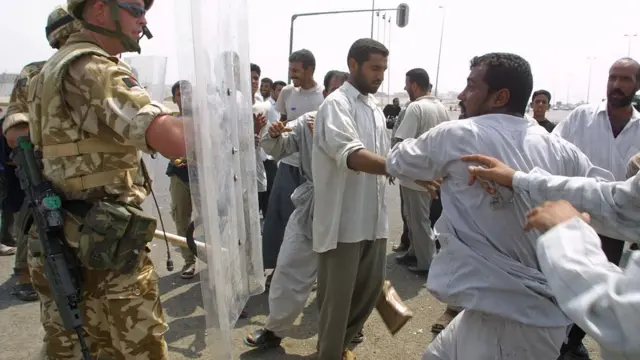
x: 347, y: 150
x: 520, y: 181
x: 142, y: 121
x: 14, y: 119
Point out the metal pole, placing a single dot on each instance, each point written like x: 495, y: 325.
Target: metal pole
x: 630, y: 36
x: 373, y: 7
x: 444, y: 12
x: 590, y: 58
x: 389, y: 67
x: 293, y: 18
x: 378, y: 21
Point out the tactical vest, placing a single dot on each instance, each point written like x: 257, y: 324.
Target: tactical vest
x: 66, y: 148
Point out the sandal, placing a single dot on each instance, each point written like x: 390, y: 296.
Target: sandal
x: 444, y: 320
x: 263, y: 338
x: 188, y: 271
x: 25, y: 292
x: 7, y: 250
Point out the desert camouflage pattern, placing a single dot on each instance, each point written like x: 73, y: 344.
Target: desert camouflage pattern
x: 90, y: 121
x: 75, y: 6
x: 62, y: 33
x: 18, y: 110
x: 112, y: 237
x: 122, y: 314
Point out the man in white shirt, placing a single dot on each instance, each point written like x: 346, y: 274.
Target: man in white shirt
x: 350, y: 226
x: 602, y: 299
x: 295, y: 275
x: 424, y: 113
x: 265, y: 110
x: 295, y: 100
x: 609, y: 134
x: 487, y: 264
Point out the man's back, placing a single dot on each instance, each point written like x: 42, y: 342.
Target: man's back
x: 488, y: 262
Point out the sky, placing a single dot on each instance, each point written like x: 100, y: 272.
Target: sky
x: 562, y: 39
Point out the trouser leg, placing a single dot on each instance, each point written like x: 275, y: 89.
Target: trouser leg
x: 181, y: 209
x: 418, y: 204
x: 350, y: 280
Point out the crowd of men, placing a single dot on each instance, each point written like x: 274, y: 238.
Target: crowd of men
x: 522, y: 277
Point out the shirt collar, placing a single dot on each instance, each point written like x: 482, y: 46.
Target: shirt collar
x: 353, y: 94
x: 602, y: 107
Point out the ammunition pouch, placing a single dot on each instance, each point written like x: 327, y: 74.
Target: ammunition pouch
x: 113, y: 236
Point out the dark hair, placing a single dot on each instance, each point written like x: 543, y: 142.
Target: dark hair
x: 331, y: 74
x: 266, y: 80
x: 276, y: 83
x: 541, y: 92
x: 363, y: 48
x: 179, y: 85
x: 507, y: 71
x: 420, y: 77
x: 255, y: 68
x: 305, y: 57
x: 637, y: 64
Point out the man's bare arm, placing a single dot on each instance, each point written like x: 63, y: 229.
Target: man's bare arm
x: 166, y: 136
x: 365, y: 161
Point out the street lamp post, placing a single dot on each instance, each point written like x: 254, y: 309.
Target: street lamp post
x: 402, y: 18
x: 389, y: 66
x: 444, y: 13
x: 373, y: 8
x: 590, y: 59
x: 630, y: 36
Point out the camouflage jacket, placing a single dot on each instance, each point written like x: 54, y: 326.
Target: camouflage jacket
x: 18, y: 110
x: 89, y: 119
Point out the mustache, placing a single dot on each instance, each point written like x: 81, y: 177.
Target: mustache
x: 617, y: 91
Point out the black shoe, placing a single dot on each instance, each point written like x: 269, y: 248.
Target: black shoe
x: 9, y: 241
x: 359, y: 338
x: 416, y: 270
x: 574, y: 352
x: 407, y: 260
x: 263, y: 338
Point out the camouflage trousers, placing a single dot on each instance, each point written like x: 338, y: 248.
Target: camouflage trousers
x: 123, y: 317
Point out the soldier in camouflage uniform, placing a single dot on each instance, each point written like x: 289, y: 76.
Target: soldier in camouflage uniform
x: 60, y: 25
x: 90, y: 119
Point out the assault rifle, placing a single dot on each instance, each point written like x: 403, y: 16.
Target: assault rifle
x: 60, y: 266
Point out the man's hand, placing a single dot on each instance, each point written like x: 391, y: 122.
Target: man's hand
x: 256, y: 140
x: 493, y: 170
x: 552, y: 213
x: 432, y: 186
x: 259, y: 121
x: 311, y: 123
x: 14, y: 132
x: 277, y: 128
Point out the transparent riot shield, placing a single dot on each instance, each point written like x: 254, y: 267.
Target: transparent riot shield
x: 213, y: 56
x: 150, y: 71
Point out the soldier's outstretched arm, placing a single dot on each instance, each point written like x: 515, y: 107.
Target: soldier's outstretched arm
x: 106, y: 100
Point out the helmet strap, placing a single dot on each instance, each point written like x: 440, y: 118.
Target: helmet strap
x: 129, y: 44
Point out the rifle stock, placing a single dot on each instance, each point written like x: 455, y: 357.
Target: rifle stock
x: 60, y: 267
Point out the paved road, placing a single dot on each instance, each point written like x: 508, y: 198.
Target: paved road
x: 21, y: 334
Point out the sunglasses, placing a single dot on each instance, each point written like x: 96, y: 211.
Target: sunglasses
x: 134, y: 10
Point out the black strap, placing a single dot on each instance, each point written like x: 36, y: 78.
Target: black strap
x: 58, y: 24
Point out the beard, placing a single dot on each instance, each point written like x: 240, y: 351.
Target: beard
x: 619, y: 102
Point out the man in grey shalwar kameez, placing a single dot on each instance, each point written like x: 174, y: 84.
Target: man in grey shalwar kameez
x: 488, y: 263
x: 295, y: 274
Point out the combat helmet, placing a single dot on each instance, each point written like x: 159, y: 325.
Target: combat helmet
x: 60, y: 25
x: 76, y: 9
